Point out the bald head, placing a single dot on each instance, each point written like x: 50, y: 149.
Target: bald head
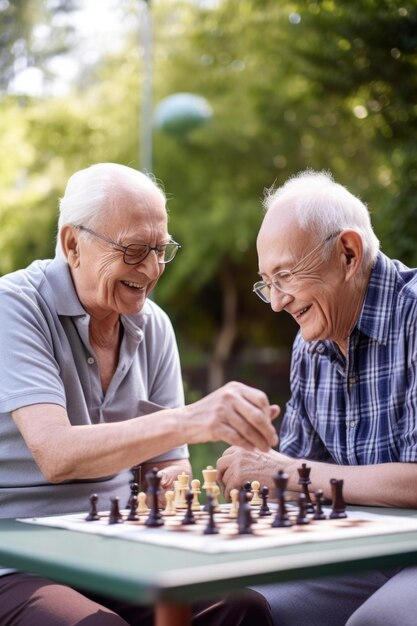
x: 91, y: 195
x: 319, y: 206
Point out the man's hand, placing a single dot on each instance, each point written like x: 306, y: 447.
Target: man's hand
x: 237, y: 466
x: 168, y: 471
x: 235, y: 413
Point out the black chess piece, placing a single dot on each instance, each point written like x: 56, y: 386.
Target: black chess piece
x: 302, y: 519
x: 244, y: 514
x: 115, y: 516
x: 247, y: 486
x: 304, y: 481
x: 93, y: 515
x: 153, y: 480
x: 136, y: 472
x: 134, y: 491
x: 211, y: 528
x: 189, y: 517
x: 281, y: 519
x: 264, y: 509
x: 136, y: 481
x: 338, y: 503
x: 319, y: 513
x: 133, y: 507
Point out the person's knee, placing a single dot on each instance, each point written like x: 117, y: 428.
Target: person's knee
x: 39, y: 601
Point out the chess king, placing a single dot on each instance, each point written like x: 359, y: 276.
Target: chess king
x: 352, y: 411
x: 90, y: 384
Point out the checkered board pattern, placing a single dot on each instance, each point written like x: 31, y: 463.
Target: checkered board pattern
x: 174, y: 534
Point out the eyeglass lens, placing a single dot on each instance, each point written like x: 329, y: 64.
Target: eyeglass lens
x: 135, y: 253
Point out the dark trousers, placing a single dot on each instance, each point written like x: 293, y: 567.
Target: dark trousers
x: 27, y: 600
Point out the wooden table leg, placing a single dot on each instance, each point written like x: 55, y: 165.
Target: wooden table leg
x: 171, y: 614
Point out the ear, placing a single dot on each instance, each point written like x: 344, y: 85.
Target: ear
x: 69, y: 243
x: 351, y: 252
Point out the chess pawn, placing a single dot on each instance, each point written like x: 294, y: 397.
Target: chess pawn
x: 169, y: 506
x: 244, y: 518
x: 256, y: 499
x: 142, y: 506
x: 211, y: 528
x: 215, y: 492
x: 195, y: 490
x: 133, y: 508
x: 234, y: 495
x: 93, y: 515
x: 188, y: 518
x: 319, y: 513
x: 264, y: 509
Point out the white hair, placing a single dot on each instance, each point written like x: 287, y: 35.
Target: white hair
x: 89, y: 194
x: 325, y: 207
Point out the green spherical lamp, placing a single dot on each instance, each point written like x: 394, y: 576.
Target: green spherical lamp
x: 181, y: 113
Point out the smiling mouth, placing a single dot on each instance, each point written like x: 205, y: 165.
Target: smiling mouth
x: 133, y: 285
x: 302, y: 312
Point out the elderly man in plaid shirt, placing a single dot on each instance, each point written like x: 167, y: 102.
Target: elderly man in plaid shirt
x: 353, y: 407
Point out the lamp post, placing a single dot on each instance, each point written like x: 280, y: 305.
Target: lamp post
x: 147, y: 88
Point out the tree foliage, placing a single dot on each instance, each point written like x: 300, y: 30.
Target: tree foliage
x: 31, y: 33
x: 308, y: 83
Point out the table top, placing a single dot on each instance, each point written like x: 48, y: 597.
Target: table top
x: 147, y: 574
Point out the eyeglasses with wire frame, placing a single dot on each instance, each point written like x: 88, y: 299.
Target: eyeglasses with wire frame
x: 285, y: 280
x: 135, y: 253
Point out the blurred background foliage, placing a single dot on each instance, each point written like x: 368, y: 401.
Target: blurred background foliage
x: 323, y: 84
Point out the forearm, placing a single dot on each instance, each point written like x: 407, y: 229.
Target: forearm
x: 387, y: 484
x: 66, y: 452
x: 234, y: 413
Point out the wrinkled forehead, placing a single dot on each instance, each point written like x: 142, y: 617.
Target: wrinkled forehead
x: 130, y: 197
x: 280, y: 240
x: 134, y: 212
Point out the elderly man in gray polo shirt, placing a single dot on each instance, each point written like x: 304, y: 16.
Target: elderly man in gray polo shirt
x: 90, y: 383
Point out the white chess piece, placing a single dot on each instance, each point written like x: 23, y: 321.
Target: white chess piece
x: 195, y: 490
x: 169, y: 506
x: 256, y: 498
x: 234, y: 495
x: 142, y: 506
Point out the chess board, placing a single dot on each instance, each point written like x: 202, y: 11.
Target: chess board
x: 174, y: 534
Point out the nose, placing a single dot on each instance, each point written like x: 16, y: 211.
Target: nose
x: 150, y: 266
x: 279, y: 299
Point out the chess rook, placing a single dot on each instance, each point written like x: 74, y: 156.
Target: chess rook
x: 338, y: 502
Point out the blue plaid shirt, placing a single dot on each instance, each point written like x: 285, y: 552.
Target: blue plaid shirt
x: 363, y: 409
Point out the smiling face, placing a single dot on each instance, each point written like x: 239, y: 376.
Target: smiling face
x: 105, y: 284
x: 325, y: 302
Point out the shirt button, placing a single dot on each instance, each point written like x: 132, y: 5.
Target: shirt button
x: 91, y: 360
x: 353, y: 423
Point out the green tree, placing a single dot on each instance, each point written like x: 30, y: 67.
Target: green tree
x: 363, y: 56
x: 292, y: 85
x: 30, y: 35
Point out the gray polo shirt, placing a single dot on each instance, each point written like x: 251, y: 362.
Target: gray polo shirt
x: 46, y: 357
